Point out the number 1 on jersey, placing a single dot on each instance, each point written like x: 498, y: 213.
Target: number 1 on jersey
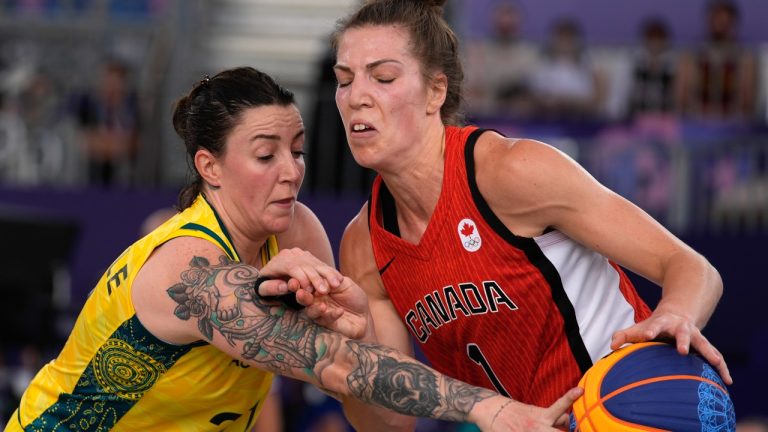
x: 474, y: 353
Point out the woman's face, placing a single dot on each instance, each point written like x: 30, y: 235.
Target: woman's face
x: 262, y: 167
x: 381, y: 93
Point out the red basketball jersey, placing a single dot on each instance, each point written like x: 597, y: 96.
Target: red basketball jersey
x: 523, y: 316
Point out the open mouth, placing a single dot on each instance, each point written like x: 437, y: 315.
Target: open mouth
x: 361, y: 127
x: 286, y: 201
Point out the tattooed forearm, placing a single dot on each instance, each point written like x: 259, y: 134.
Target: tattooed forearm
x: 384, y: 377
x: 222, y: 297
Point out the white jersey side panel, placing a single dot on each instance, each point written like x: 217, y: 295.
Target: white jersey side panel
x: 592, y: 286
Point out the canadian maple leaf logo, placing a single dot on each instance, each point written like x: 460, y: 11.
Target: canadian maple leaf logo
x: 469, y: 236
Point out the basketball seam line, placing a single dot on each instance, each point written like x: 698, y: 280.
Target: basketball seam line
x: 644, y: 382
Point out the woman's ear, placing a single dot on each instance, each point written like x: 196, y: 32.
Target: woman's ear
x: 208, y: 167
x: 436, y: 94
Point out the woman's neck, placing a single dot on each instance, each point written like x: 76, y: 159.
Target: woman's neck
x: 416, y: 185
x: 246, y: 241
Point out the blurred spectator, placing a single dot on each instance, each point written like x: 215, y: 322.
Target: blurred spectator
x: 567, y: 84
x: 109, y: 120
x: 653, y: 72
x: 35, y: 139
x: 498, y: 69
x: 719, y: 79
x: 634, y: 157
x: 49, y: 137
x: 718, y: 82
x: 15, y: 163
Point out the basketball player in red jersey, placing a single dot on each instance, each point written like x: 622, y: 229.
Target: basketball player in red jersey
x: 499, y: 256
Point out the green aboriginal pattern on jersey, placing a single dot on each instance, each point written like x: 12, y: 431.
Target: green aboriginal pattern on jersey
x: 126, y: 366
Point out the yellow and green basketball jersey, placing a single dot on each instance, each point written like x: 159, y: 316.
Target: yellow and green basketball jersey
x: 113, y: 374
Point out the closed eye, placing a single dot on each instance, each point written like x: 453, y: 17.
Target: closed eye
x: 265, y: 158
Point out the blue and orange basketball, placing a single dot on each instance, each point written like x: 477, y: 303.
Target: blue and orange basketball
x: 651, y: 387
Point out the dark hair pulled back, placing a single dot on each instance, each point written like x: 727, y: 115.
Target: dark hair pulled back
x: 208, y: 113
x: 433, y: 42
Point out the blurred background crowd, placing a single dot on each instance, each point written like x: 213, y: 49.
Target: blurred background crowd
x: 664, y: 102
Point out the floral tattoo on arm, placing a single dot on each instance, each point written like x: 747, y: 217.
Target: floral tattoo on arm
x: 222, y: 297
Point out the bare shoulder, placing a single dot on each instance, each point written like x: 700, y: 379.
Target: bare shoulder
x: 525, y: 181
x: 305, y: 223
x: 357, y: 228
x: 518, y: 165
x: 356, y: 255
x: 356, y: 241
x: 168, y: 265
x: 304, y: 215
x: 307, y: 233
x: 523, y: 156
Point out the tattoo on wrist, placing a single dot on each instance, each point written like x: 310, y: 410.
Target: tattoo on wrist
x: 408, y: 387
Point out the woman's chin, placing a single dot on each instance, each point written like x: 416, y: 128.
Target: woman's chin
x: 365, y: 160
x: 280, y: 225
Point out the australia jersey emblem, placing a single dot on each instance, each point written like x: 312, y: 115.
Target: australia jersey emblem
x: 469, y: 235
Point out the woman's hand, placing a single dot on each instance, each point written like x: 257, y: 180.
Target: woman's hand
x: 331, y: 300
x: 295, y: 269
x: 344, y: 309
x: 501, y: 414
x: 666, y: 324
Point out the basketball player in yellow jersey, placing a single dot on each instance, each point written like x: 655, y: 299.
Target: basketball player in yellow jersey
x: 174, y: 336
x: 140, y: 376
